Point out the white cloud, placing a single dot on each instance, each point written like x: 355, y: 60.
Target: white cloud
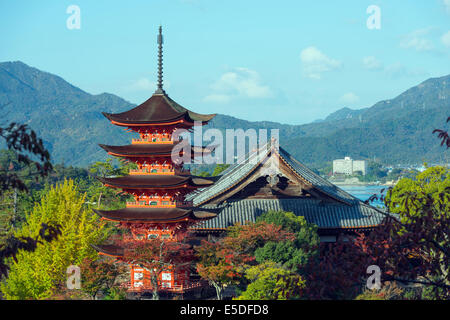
x: 314, y: 62
x: 217, y: 98
x: 240, y: 82
x: 349, y: 98
x: 372, y: 63
x: 445, y: 39
x: 417, y: 40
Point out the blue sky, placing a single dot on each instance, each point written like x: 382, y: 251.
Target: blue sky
x: 285, y: 61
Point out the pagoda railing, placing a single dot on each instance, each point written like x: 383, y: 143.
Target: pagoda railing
x: 151, y: 140
x: 141, y: 204
x: 175, y: 288
x: 152, y: 171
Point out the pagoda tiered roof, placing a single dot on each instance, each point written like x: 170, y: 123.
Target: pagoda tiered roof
x: 159, y: 109
x: 159, y: 184
x: 156, y: 215
x: 151, y: 150
x: 156, y: 181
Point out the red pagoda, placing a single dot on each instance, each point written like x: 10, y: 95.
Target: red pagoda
x: 159, y: 184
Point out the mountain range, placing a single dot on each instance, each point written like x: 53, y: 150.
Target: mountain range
x: 69, y: 120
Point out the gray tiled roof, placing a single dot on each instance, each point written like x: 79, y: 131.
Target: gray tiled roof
x: 239, y: 171
x: 324, y: 215
x: 349, y: 212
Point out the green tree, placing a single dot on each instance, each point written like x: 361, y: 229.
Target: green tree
x: 6, y: 215
x: 101, y: 196
x: 219, y: 169
x: 423, y: 205
x: 200, y: 173
x: 434, y: 182
x: 293, y: 255
x: 38, y: 274
x: 269, y: 281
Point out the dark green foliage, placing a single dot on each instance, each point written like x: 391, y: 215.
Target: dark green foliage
x: 29, y: 152
x: 443, y: 135
x: 7, y: 217
x: 219, y: 169
x: 293, y: 255
x: 103, y: 197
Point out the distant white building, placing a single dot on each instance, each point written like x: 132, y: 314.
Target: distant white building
x: 349, y: 166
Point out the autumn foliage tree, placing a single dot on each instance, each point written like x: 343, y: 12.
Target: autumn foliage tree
x: 98, y: 275
x: 411, y: 246
x: 225, y: 261
x: 156, y: 256
x: 419, y: 239
x: 220, y: 265
x: 414, y: 245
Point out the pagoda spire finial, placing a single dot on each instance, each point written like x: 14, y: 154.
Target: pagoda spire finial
x: 160, y: 90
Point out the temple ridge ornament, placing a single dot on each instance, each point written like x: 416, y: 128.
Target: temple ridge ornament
x: 273, y: 180
x: 271, y: 167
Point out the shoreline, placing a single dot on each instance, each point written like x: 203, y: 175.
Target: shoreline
x: 355, y: 182
x: 362, y: 184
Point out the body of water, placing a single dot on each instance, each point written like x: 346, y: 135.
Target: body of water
x: 364, y: 192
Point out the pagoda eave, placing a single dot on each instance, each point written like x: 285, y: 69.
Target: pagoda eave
x: 155, y: 182
x: 150, y: 124
x: 155, y: 215
x: 158, y: 110
x: 179, y: 123
x: 153, y: 150
x: 109, y: 250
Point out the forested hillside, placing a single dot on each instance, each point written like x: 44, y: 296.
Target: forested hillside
x: 70, y: 121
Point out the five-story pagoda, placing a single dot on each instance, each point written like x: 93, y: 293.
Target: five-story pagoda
x: 159, y: 184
